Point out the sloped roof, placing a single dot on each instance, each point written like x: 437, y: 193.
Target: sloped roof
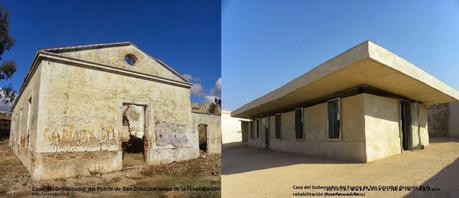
x: 66, y: 49
x: 366, y: 63
x: 58, y: 54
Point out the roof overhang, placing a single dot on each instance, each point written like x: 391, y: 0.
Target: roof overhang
x: 366, y: 63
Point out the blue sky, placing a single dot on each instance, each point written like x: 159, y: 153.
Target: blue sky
x: 184, y: 34
x: 266, y: 43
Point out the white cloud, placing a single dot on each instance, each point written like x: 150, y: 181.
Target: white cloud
x: 190, y: 78
x: 215, y: 92
x: 197, y: 90
x: 5, y: 107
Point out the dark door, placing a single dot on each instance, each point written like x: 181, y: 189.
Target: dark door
x: 406, y: 126
x: 202, y: 130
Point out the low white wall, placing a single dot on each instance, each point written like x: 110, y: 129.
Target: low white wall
x: 231, y: 128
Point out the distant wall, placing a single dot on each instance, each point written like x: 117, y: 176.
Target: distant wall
x: 454, y: 119
x: 231, y: 128
x: 214, y: 136
x: 439, y: 120
x: 444, y: 120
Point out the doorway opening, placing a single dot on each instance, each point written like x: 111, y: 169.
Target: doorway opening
x: 406, y: 125
x: 202, y: 130
x: 133, y: 135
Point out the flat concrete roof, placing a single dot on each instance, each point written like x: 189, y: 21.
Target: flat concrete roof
x: 366, y: 63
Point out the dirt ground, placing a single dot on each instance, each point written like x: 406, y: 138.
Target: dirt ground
x: 254, y: 172
x: 202, y: 172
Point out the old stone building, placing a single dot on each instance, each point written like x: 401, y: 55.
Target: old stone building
x: 81, y: 108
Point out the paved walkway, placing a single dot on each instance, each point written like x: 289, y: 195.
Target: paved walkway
x: 254, y: 172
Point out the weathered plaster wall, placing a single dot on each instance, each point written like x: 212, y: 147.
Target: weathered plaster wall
x: 454, y: 119
x: 80, y: 115
x: 351, y: 147
x: 24, y: 126
x: 382, y: 129
x: 114, y: 56
x: 214, y: 135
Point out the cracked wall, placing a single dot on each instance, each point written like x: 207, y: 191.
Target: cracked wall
x: 214, y: 135
x: 78, y: 114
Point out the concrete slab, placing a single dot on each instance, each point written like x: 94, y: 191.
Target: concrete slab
x: 254, y: 172
x: 366, y: 63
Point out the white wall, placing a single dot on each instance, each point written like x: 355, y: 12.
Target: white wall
x: 231, y: 128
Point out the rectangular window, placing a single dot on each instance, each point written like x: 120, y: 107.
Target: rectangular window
x: 278, y: 126
x: 258, y: 129
x: 299, y: 124
x: 334, y: 119
x: 252, y: 130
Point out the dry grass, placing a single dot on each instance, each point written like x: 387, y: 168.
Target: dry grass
x: 202, y: 172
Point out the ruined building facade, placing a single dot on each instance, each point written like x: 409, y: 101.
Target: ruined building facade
x: 78, y: 106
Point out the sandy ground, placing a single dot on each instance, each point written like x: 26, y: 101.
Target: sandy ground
x: 205, y: 171
x: 254, y: 172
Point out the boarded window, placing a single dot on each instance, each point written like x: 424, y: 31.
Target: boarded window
x: 258, y: 129
x: 334, y: 120
x: 29, y: 111
x: 278, y: 126
x: 29, y: 118
x: 299, y: 124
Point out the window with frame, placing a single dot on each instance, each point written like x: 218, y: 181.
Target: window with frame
x: 252, y: 130
x: 334, y: 119
x: 299, y: 124
x: 258, y: 129
x: 277, y: 121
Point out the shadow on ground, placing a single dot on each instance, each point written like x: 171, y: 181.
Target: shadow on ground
x: 443, y: 139
x: 447, y: 180
x: 239, y: 158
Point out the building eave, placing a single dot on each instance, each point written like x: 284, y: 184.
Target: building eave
x: 366, y: 63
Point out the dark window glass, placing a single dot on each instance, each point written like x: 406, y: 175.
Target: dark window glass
x: 334, y: 122
x: 298, y: 124
x: 278, y: 126
x: 258, y: 129
x: 130, y: 59
x: 252, y: 130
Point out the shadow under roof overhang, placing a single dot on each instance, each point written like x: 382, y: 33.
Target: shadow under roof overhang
x: 365, y: 64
